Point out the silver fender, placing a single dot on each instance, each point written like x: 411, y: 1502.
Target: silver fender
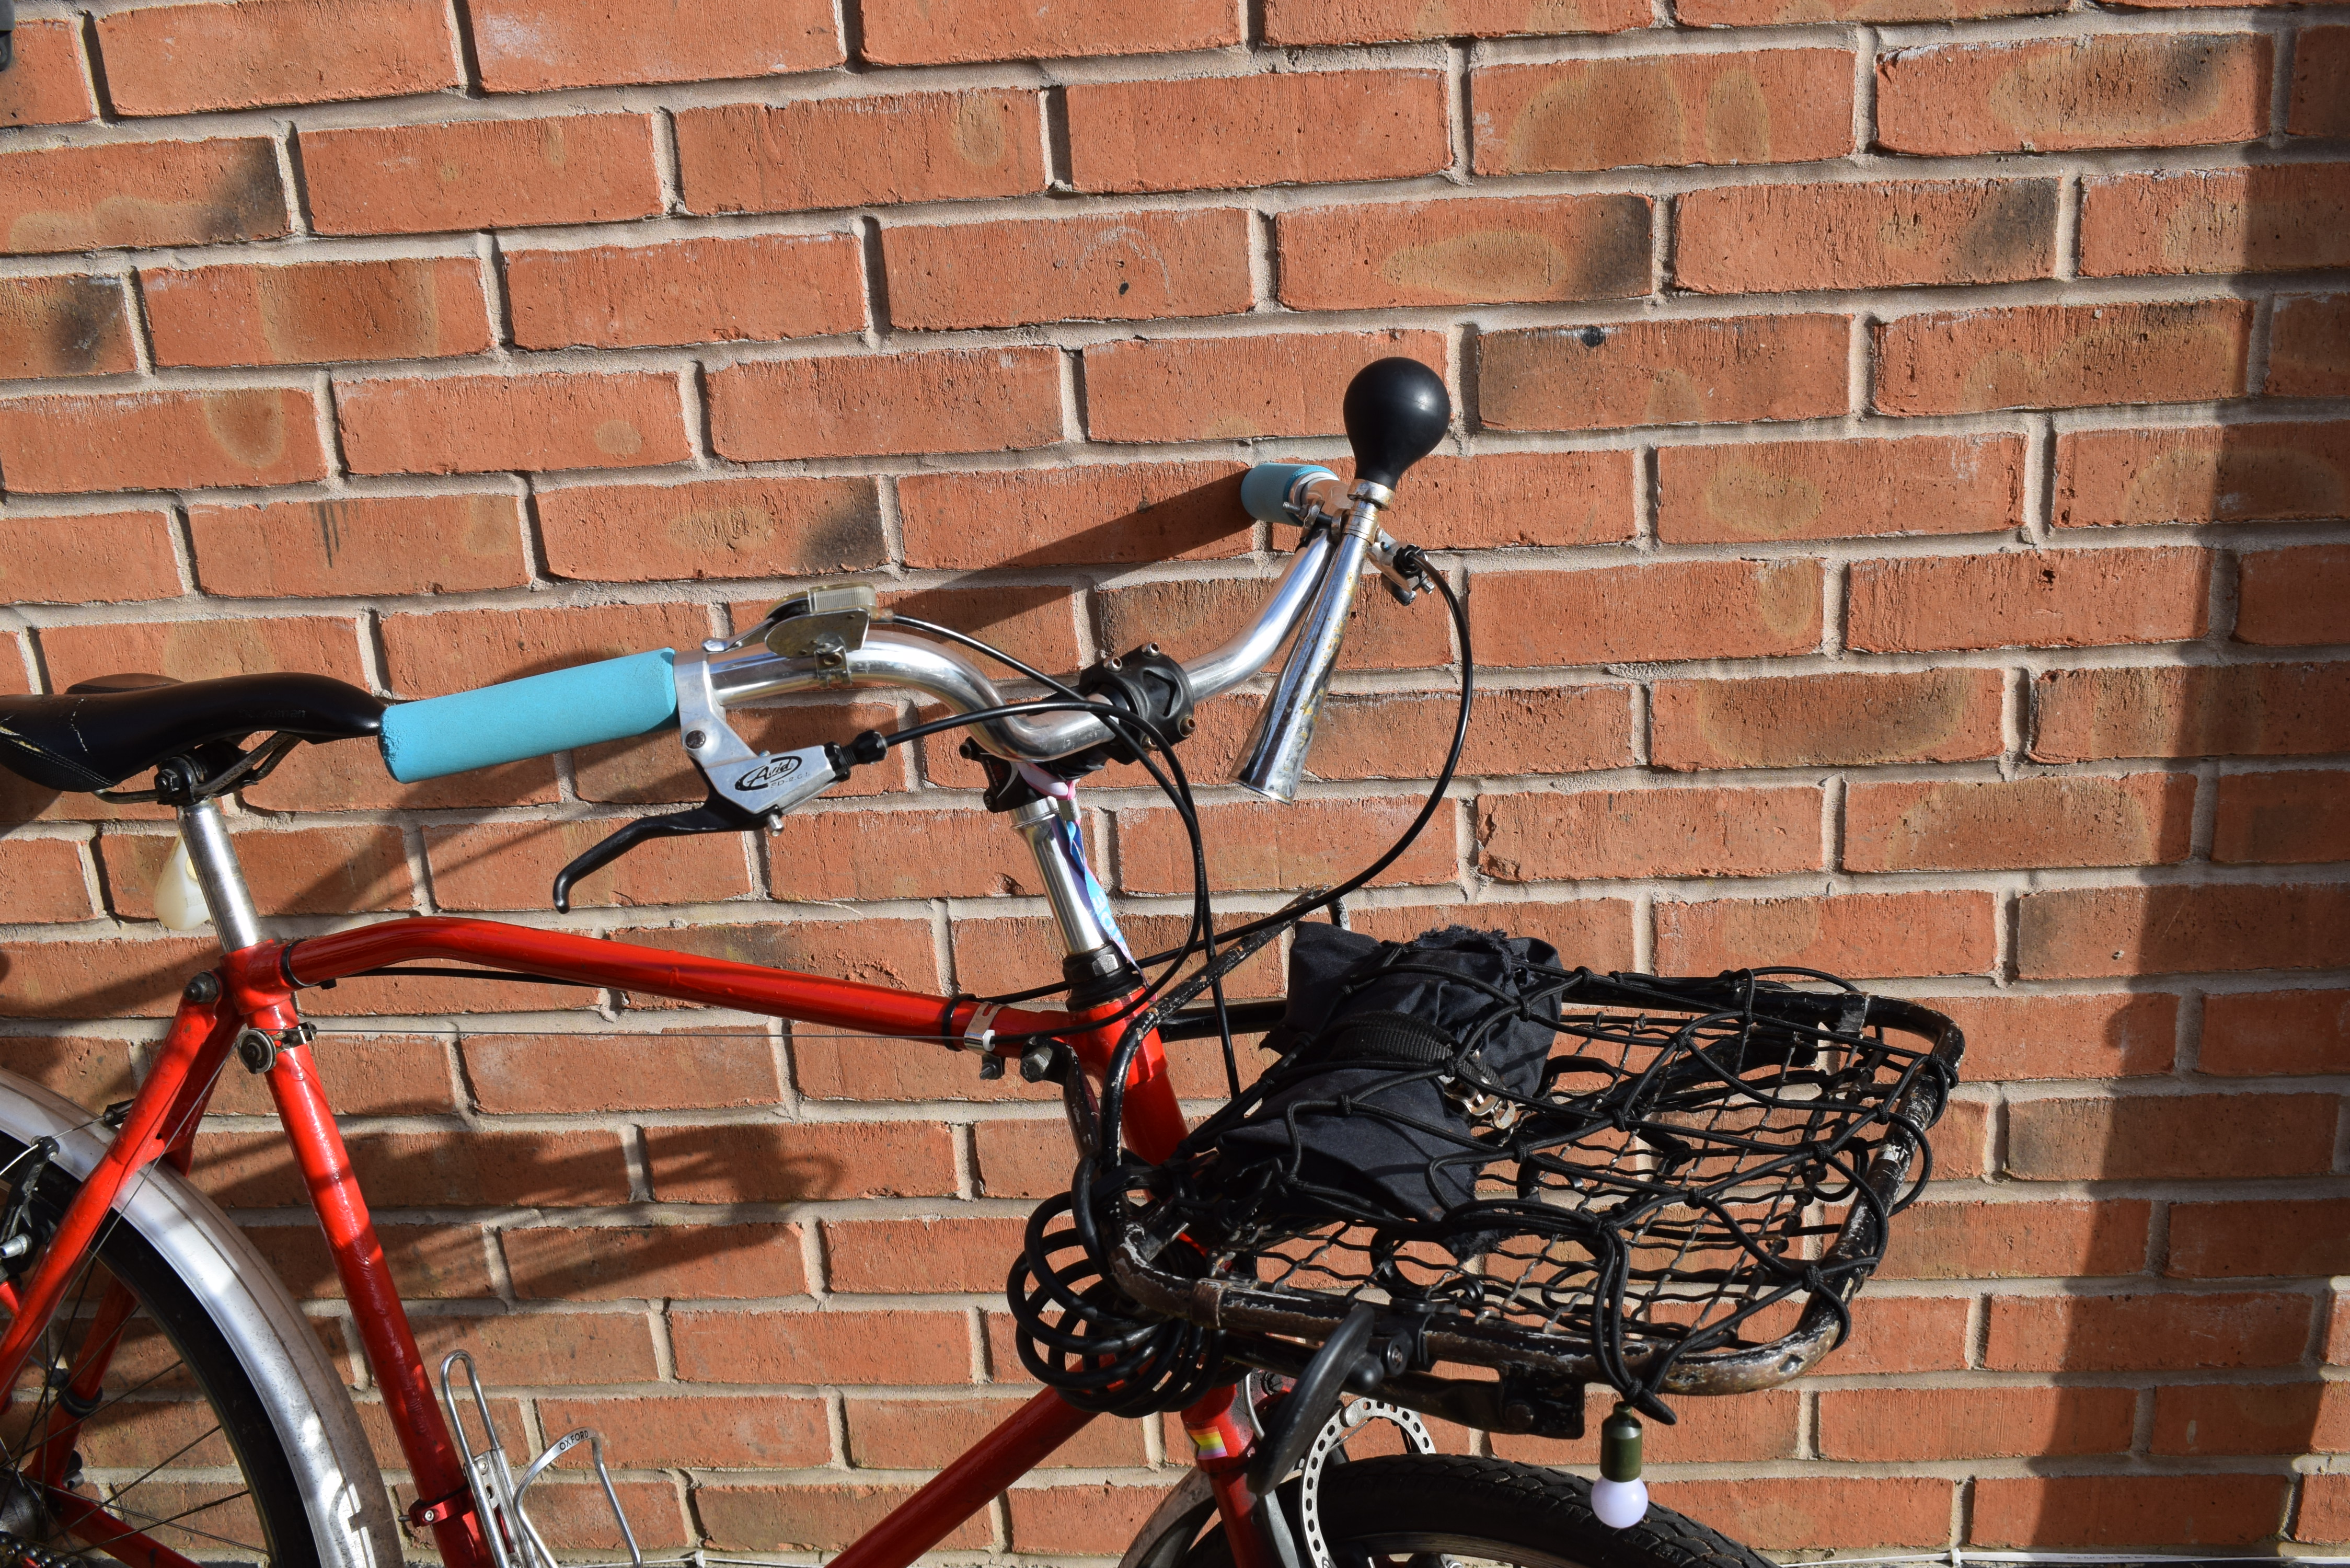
x: 350, y: 1513
x: 1191, y: 1494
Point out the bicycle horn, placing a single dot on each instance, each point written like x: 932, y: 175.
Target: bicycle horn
x: 1395, y: 411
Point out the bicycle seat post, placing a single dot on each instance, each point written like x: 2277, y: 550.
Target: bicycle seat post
x: 214, y: 860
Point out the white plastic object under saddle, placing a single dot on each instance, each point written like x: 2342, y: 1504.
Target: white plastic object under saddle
x: 1620, y: 1505
x: 179, y: 902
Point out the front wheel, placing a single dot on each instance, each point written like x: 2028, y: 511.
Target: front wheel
x: 1417, y: 1510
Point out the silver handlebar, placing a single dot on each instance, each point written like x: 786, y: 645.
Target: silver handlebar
x: 738, y: 678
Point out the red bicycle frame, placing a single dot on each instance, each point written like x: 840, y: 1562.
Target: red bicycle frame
x: 255, y: 990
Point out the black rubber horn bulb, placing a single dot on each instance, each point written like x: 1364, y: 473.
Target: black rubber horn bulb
x: 1397, y: 410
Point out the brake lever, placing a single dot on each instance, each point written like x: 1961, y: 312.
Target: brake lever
x: 777, y: 783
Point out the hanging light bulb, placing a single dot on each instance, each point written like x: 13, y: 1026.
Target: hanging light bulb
x: 1620, y: 1498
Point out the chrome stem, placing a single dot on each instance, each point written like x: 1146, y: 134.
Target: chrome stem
x: 214, y: 860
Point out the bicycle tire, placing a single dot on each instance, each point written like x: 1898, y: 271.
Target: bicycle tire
x: 1419, y: 1509
x: 160, y: 1486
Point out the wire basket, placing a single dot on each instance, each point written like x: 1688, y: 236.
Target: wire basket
x: 1687, y: 1202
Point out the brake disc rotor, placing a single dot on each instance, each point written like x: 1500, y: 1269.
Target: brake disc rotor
x: 1344, y: 1423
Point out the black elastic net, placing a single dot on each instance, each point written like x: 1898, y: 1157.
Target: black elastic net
x: 1635, y: 1171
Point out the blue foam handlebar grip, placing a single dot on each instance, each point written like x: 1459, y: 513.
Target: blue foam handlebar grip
x: 1265, y: 487
x: 532, y: 717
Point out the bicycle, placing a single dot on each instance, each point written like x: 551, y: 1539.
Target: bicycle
x: 1692, y: 1219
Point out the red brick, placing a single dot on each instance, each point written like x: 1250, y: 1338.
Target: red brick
x: 423, y: 996
x: 1960, y: 1140
x: 46, y: 84
x: 2249, y: 1241
x: 1765, y: 239
x: 478, y: 424
x: 931, y: 1434
x: 1859, y: 934
x: 2066, y: 1238
x: 2142, y: 819
x: 2282, y: 819
x: 982, y: 400
x: 1022, y: 1158
x: 761, y: 288
x: 765, y: 527
x: 1546, y: 729
x: 1497, y: 499
x: 2309, y: 348
x: 1296, y: 22
x: 896, y: 953
x: 1096, y: 1519
x: 2168, y: 1333
x: 2323, y: 1515
x: 680, y: 1069
x: 1762, y: 13
x: 2294, y: 596
x: 364, y: 1074
x: 300, y: 871
x: 606, y: 1263
x: 45, y: 879
x: 2320, y: 59
x: 1905, y: 1333
x: 427, y: 1169
x: 68, y: 325
x: 1840, y: 489
x: 2238, y: 709
x: 2232, y: 473
x: 184, y: 59
x: 1036, y: 625
x: 1648, y: 833
x: 2115, y: 1036
x: 732, y: 1431
x: 1282, y: 847
x: 2291, y: 1032
x: 1911, y: 1424
x: 860, y: 151
x: 1222, y: 133
x: 161, y: 440
x: 923, y: 1255
x: 576, y: 1518
x: 803, y: 1516
x: 2083, y: 931
x: 834, y: 855
x: 2062, y: 356
x: 2049, y: 95
x: 1593, y: 931
x: 2108, y: 1510
x: 1796, y: 1512
x: 2236, y: 1418
x: 46, y: 560
x: 1933, y: 716
x: 1094, y: 513
x: 203, y: 650
x: 2277, y: 219
x: 316, y: 312
x: 828, y: 1066
x: 1132, y: 267
x: 428, y: 1261
x: 360, y: 545
x: 512, y: 865
x: 837, y: 1347
x: 430, y: 656
x: 1766, y: 106
x: 1467, y: 251
x: 2202, y: 1137
x: 352, y: 778
x: 479, y: 173
x: 1692, y: 610
x: 140, y: 194
x: 910, y: 33
x: 799, y: 1162
x: 524, y: 1348
x: 1664, y: 373
x: 539, y: 46
x: 1195, y: 388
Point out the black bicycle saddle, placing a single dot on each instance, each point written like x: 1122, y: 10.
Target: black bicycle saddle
x: 101, y: 732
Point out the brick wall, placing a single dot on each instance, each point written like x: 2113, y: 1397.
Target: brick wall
x: 1900, y: 483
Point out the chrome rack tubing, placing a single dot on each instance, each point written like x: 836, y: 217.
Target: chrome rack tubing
x: 1284, y: 732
